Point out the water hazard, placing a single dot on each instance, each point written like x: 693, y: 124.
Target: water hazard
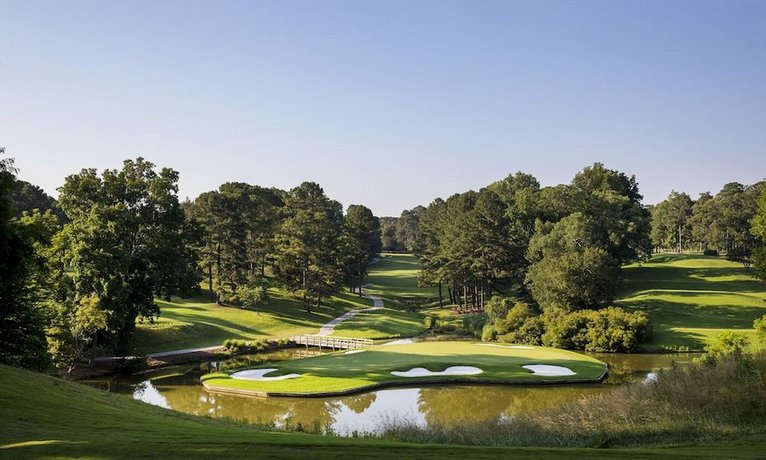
x: 178, y: 388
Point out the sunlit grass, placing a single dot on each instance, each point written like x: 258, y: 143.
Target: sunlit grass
x: 691, y: 299
x: 343, y: 372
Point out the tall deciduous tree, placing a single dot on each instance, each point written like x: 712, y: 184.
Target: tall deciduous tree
x: 612, y: 202
x: 671, y: 222
x: 570, y: 269
x: 125, y: 243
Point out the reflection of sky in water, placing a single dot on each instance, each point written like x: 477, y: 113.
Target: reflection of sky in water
x: 147, y: 393
x: 396, y: 404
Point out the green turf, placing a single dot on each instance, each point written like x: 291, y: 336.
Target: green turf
x: 191, y: 324
x: 339, y: 372
x: 691, y: 299
x: 46, y: 417
x: 395, y: 277
x: 379, y: 324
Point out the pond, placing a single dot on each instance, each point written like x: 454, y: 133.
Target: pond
x: 178, y: 388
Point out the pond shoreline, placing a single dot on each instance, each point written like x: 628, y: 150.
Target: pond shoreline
x: 404, y: 384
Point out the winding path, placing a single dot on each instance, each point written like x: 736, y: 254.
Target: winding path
x: 329, y: 328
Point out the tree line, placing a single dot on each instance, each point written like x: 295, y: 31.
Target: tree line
x: 723, y: 223
x: 79, y: 272
x: 543, y: 255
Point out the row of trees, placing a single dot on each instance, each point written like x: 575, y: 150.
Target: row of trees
x: 77, y: 281
x: 560, y: 245
x: 716, y: 223
x: 401, y: 233
x: 300, y: 238
x: 559, y: 249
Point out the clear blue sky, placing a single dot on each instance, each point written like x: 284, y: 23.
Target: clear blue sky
x: 387, y: 103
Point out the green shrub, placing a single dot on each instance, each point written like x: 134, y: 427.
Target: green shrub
x: 429, y: 322
x: 728, y: 343
x: 474, y: 324
x: 608, y: 330
x: 488, y: 333
x: 760, y: 327
x: 498, y: 307
x: 531, y: 331
x: 710, y: 252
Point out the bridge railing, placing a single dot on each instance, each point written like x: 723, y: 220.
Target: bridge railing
x: 336, y: 343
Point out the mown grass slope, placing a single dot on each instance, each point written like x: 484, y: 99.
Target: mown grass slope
x: 395, y: 277
x: 381, y: 324
x: 691, y: 299
x: 199, y: 323
x: 46, y: 417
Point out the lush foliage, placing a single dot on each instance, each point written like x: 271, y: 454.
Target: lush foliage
x: 22, y: 278
x: 126, y: 242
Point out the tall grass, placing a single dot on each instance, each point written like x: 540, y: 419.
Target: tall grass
x: 700, y: 402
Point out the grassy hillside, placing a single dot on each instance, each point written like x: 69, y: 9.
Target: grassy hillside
x: 191, y: 324
x: 395, y: 277
x: 46, y: 417
x: 692, y: 298
x: 200, y: 323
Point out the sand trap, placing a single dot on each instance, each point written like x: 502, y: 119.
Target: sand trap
x: 550, y: 371
x: 398, y: 342
x: 512, y: 347
x: 258, y: 374
x: 452, y: 370
x: 353, y: 352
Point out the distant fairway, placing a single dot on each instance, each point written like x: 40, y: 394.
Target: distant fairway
x: 691, y: 299
x: 395, y: 277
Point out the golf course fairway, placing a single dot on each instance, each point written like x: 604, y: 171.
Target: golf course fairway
x: 418, y: 363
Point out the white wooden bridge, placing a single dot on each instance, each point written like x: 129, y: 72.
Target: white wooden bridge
x: 336, y: 343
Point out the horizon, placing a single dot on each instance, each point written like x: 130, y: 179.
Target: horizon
x: 389, y: 107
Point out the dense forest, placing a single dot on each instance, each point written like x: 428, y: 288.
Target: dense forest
x: 540, y: 263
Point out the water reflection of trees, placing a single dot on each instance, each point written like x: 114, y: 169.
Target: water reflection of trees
x: 360, y: 403
x: 461, y: 405
x: 310, y: 414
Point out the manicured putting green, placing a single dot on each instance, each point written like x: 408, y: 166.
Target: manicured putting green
x: 346, y: 372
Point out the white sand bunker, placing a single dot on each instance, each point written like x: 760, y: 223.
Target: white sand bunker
x: 353, y: 352
x: 550, y: 371
x: 452, y: 370
x: 258, y: 374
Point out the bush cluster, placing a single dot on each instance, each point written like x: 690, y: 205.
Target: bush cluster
x: 609, y: 329
x: 710, y: 252
x: 240, y: 346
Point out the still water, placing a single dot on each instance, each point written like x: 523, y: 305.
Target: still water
x: 178, y: 388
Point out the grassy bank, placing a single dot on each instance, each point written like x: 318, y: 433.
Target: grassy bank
x: 350, y: 371
x: 691, y: 299
x: 46, y: 417
x: 705, y: 402
x: 199, y: 323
